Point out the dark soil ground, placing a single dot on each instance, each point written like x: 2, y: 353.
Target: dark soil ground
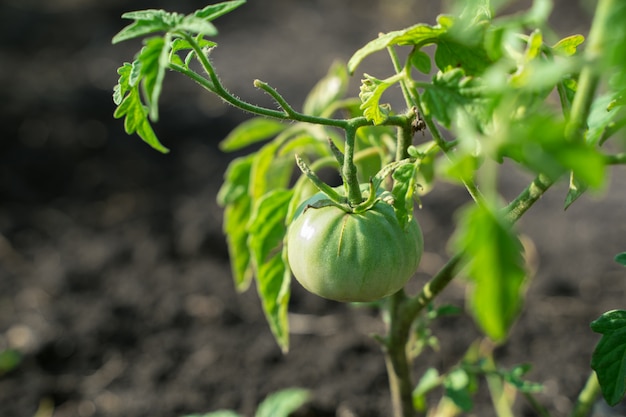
x: 114, y: 276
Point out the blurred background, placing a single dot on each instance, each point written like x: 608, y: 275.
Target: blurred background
x: 115, y: 289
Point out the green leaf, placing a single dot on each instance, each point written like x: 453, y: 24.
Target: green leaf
x: 621, y: 258
x: 609, y: 357
x: 417, y: 35
x: 601, y: 116
x: 403, y: 192
x: 429, y: 381
x: 123, y: 85
x: 249, y: 132
x: 568, y: 46
x: 180, y: 44
x: 196, y: 26
x: 237, y: 203
x: 371, y: 91
x: 213, y: 11
x: 453, y: 52
x: 327, y: 91
x: 267, y: 229
x: 270, y: 171
x: 136, y: 119
x: 283, y: 403
x: 146, y: 22
x: 452, y: 91
x: 153, y: 21
x: 153, y: 60
x: 421, y: 61
x: 538, y: 142
x: 495, y: 268
x: 457, y: 386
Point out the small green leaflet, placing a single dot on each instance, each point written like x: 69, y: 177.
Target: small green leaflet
x: 621, y: 258
x: 147, y: 22
x: 269, y: 171
x: 266, y: 231
x: 237, y: 203
x: 213, y: 11
x: 283, y: 403
x: 418, y: 35
x: 568, y: 46
x: 152, y: 62
x: 403, y: 192
x: 452, y: 91
x: 495, y: 268
x: 609, y: 357
x: 129, y: 105
x: 453, y: 52
x: 421, y: 61
x: 371, y: 91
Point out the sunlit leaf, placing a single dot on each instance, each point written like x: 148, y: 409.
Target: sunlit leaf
x: 213, y: 11
x: 495, y: 268
x: 266, y: 232
x: 418, y: 35
x: 237, y: 203
x: 270, y: 171
x: 153, y: 60
x: 568, y: 46
x: 196, y: 26
x: 609, y: 356
x: 136, y: 119
x: 146, y: 22
x: 371, y: 91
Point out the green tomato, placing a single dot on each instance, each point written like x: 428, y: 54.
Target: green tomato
x: 352, y: 257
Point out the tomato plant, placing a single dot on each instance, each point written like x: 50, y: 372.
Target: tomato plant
x: 479, y: 89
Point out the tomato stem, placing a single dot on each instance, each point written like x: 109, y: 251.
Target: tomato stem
x: 349, y: 171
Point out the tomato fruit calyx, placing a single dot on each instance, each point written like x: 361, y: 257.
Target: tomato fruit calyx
x: 359, y: 254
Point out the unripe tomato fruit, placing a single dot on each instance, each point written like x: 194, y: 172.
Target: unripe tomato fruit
x: 352, y: 257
